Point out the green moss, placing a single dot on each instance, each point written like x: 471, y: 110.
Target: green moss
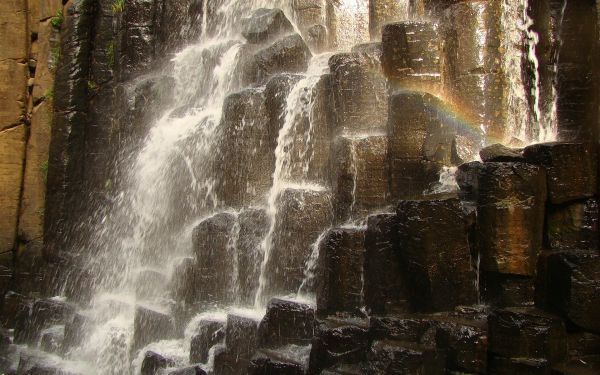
x: 54, y: 57
x: 49, y: 95
x: 57, y: 20
x: 118, y: 6
x: 92, y: 86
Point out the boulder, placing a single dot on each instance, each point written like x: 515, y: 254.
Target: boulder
x: 527, y: 333
x: 150, y: 326
x: 385, y: 288
x: 396, y: 357
x: 573, y: 287
x: 500, y: 153
x: 210, y: 333
x: 412, y: 55
x: 215, y: 255
x: 572, y: 169
x: 301, y: 216
x: 289, y: 54
x: 265, y: 25
x: 573, y: 225
x: 246, y: 161
x: 359, y: 180
x: 154, y: 362
x: 337, y: 341
x: 510, y: 216
x: 439, y: 274
x: 342, y: 255
x: 359, y: 94
x: 287, y: 322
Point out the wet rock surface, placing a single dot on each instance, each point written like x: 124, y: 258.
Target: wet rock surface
x: 287, y: 322
x: 265, y: 25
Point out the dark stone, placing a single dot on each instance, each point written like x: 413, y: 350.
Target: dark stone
x: 467, y: 178
x: 265, y: 25
x: 317, y: 38
x: 74, y: 331
x: 527, y: 333
x: 184, y: 282
x: 228, y: 364
x: 267, y: 362
x: 241, y: 335
x: 52, y: 339
x: 572, y: 169
x: 465, y: 343
x: 337, y: 342
x: 372, y: 50
x: 396, y: 357
x: 510, y: 216
x: 586, y: 365
x: 246, y: 160
x: 340, y: 290
x: 573, y: 287
x: 411, y: 178
x: 500, y: 153
x: 407, y: 328
x: 210, y: 333
x: 507, y: 290
x: 439, y: 274
x: 276, y: 93
x: 286, y: 322
x: 573, y: 225
x: 154, y: 362
x: 192, y: 370
x: 254, y: 225
x: 360, y: 176
x: 44, y: 314
x: 213, y: 254
x: 385, y: 288
x: 150, y: 326
x: 412, y: 54
x: 359, y: 94
x: 289, y: 54
x: 10, y: 306
x: 524, y: 366
x: 583, y: 344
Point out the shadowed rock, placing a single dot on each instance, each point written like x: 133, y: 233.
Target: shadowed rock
x: 43, y: 314
x: 341, y: 254
x: 215, y: 256
x: 265, y: 25
x: 572, y: 169
x: 499, y: 289
x: 210, y: 333
x: 150, y: 326
x: 241, y: 336
x: 359, y: 179
x: 153, y: 362
x: 359, y: 94
x: 501, y: 153
x: 527, y: 333
x: 270, y: 362
x: 289, y: 54
x: 510, y: 216
x: 509, y: 366
x: 253, y: 227
x: 385, y: 288
x: 439, y: 274
x: 395, y: 357
x: 192, y: 370
x: 573, y: 225
x: 287, y: 322
x: 74, y: 332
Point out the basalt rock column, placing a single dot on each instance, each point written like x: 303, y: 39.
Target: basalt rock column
x: 347, y: 23
x: 412, y: 56
x: 474, y: 64
x: 359, y: 181
x: 359, y: 93
x: 382, y: 12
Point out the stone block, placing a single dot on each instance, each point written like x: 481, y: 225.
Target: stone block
x: 573, y: 287
x: 241, y: 335
x: 572, y: 169
x: 341, y: 253
x: 154, y: 362
x: 74, y: 332
x: 347, y: 25
x: 253, y: 227
x: 265, y: 25
x: 527, y: 333
x: 267, y: 362
x: 316, y: 38
x: 308, y: 13
x: 150, y: 326
x: 359, y: 180
x: 359, y: 94
x: 302, y: 215
x: 210, y: 333
x: 289, y: 54
x: 13, y: 22
x: 191, y: 370
x: 337, y: 341
x: 439, y: 274
x: 287, y: 322
x: 395, y: 357
x: 412, y: 55
x: 507, y: 290
x: 465, y: 343
x: 43, y: 315
x: 215, y: 253
x: 510, y: 217
x: 246, y: 159
x: 12, y: 152
x: 509, y: 366
x: 573, y: 225
x: 467, y: 178
x: 500, y: 153
x: 411, y: 178
x: 51, y: 339
x: 385, y: 288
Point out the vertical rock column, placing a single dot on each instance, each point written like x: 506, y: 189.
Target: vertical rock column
x: 385, y: 11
